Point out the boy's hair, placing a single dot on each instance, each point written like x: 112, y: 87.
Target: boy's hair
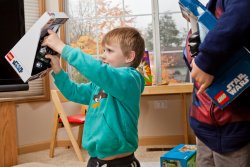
x: 129, y: 39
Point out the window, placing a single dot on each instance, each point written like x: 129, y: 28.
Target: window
x: 159, y: 21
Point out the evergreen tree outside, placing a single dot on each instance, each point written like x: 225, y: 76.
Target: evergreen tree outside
x: 169, y: 34
x: 170, y: 40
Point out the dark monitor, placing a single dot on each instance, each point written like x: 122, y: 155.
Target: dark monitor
x: 12, y: 29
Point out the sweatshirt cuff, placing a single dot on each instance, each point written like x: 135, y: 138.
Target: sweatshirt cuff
x: 206, y: 63
x: 59, y: 77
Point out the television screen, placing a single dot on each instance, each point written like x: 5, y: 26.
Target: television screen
x: 11, y: 30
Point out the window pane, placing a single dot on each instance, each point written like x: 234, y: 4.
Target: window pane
x: 172, y: 32
x: 168, y: 6
x: 82, y: 34
x: 182, y: 25
x: 81, y: 9
x: 107, y: 8
x: 173, y: 67
x: 172, y: 39
x: 137, y: 7
x: 105, y: 25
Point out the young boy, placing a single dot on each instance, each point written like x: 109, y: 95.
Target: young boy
x: 223, y: 136
x: 113, y: 95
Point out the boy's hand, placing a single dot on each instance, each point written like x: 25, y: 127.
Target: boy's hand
x: 53, y: 41
x: 55, y: 63
x: 202, y: 78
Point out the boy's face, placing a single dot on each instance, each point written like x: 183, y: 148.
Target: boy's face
x: 114, y: 56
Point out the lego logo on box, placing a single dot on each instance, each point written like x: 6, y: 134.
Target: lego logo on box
x: 18, y: 67
x: 221, y: 97
x: 9, y: 56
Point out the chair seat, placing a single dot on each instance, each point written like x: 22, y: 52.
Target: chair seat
x: 77, y: 119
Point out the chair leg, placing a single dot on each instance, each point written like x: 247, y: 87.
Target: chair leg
x: 71, y: 136
x: 54, y: 135
x: 79, y: 138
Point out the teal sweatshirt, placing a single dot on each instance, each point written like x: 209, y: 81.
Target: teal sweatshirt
x: 113, y: 96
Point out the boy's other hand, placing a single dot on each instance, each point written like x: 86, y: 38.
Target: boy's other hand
x: 55, y: 63
x: 202, y: 78
x: 53, y: 41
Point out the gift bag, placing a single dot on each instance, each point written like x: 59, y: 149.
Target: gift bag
x: 145, y: 70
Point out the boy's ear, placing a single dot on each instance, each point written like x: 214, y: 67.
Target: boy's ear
x: 130, y: 57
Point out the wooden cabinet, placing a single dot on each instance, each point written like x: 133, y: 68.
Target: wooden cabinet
x: 183, y: 89
x: 8, y: 135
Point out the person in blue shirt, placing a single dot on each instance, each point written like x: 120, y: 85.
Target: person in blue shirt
x: 113, y: 95
x: 223, y: 136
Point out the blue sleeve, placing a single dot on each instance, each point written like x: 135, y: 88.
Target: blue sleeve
x: 231, y: 32
x: 121, y: 82
x: 79, y: 93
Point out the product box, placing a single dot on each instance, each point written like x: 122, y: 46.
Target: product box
x: 27, y: 57
x: 233, y: 76
x: 182, y: 155
x: 145, y: 70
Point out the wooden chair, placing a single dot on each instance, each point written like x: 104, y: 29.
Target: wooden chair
x: 62, y: 120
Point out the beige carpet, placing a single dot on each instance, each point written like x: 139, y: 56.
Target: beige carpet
x: 67, y: 158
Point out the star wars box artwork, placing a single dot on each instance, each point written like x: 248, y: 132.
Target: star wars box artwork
x: 232, y: 77
x: 27, y: 57
x: 181, y: 156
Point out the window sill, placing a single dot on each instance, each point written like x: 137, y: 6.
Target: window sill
x: 168, y: 89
